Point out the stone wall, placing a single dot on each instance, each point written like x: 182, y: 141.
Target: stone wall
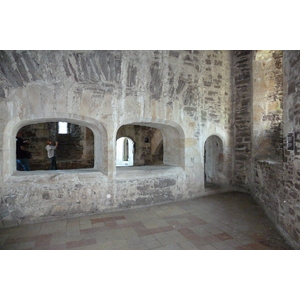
x: 247, y: 101
x: 276, y: 185
x: 267, y: 105
x: 242, y: 107
x: 186, y: 95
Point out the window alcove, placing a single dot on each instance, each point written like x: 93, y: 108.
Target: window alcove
x: 75, y: 145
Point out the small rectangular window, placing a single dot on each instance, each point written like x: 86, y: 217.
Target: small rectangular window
x: 62, y: 127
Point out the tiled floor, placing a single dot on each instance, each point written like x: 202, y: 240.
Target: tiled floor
x: 229, y: 221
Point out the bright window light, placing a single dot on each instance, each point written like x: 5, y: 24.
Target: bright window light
x: 62, y: 127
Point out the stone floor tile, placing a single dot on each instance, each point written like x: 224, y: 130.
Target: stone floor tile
x: 33, y: 226
x: 274, y: 245
x: 139, y: 246
x: 3, y: 238
x: 94, y: 230
x: 60, y: 224
x: 149, y: 223
x: 73, y: 238
x: 132, y: 218
x: 11, y: 241
x: 57, y: 240
x: 71, y: 231
x: 46, y: 230
x: 183, y: 220
x: 233, y: 243
x: 26, y: 245
x: 116, y: 234
x: 129, y: 232
x: 148, y: 238
x: 174, y: 233
x: 165, y: 241
x: 72, y: 222
x: 207, y: 247
x: 187, y: 245
x: 161, y: 235
x: 163, y: 214
x: 85, y: 226
x: 57, y: 246
x: 105, y: 245
x: 252, y: 246
x: 121, y: 222
x: 99, y: 238
x: 179, y: 239
x: 98, y: 225
x: 4, y: 231
x: 244, y: 240
x: 152, y: 244
x: 86, y: 219
x: 173, y: 246
x: 19, y: 233
x: 200, y: 231
x: 46, y: 225
x: 43, y: 240
x: 221, y: 246
x: 87, y: 247
x: 134, y: 240
x: 205, y: 223
x: 10, y: 247
x: 120, y: 244
x: 31, y: 233
x: 59, y: 233
x: 80, y: 243
x: 212, y: 230
x: 223, y: 236
x: 189, y: 234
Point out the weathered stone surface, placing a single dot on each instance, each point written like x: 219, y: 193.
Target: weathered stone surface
x: 242, y: 98
x: 276, y: 183
x: 103, y: 90
x: 237, y: 98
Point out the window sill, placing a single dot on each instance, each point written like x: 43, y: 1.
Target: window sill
x: 44, y: 176
x: 147, y: 171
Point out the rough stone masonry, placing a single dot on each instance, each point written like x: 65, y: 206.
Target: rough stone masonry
x: 246, y: 100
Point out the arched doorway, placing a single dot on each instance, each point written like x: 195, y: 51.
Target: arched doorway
x: 124, y: 152
x: 213, y: 161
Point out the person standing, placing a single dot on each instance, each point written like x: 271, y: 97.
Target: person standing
x: 51, y: 151
x: 21, y: 153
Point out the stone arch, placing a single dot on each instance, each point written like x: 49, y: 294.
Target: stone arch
x: 213, y: 160
x: 12, y: 128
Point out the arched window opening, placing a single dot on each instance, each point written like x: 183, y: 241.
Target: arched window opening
x: 147, y: 149
x: 125, y: 155
x: 75, y: 148
x: 213, y: 161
